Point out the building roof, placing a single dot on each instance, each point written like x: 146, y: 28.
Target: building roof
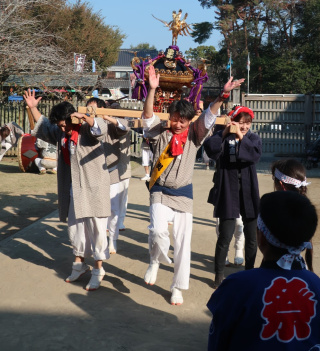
x: 125, y: 56
x: 114, y: 83
x: 41, y: 80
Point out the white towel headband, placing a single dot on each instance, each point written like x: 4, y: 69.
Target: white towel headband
x: 286, y: 260
x: 288, y: 180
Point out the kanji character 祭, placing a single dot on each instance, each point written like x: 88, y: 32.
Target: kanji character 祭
x: 288, y: 310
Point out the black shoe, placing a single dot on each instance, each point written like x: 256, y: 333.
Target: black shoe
x: 218, y: 280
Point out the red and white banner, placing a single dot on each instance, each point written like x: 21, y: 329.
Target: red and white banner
x: 79, y: 60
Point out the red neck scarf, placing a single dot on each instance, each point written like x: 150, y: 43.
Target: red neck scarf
x: 177, y: 142
x: 74, y: 137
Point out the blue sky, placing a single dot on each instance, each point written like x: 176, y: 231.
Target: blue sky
x: 134, y: 19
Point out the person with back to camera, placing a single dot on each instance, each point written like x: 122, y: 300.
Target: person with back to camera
x: 275, y: 306
x: 83, y: 182
x: 290, y: 175
x: 170, y: 185
x: 237, y: 190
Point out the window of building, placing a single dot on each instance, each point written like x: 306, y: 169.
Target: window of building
x: 122, y: 75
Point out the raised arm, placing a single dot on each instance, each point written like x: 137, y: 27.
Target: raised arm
x: 153, y: 84
x: 230, y: 85
x: 17, y: 129
x: 110, y: 119
x: 30, y: 99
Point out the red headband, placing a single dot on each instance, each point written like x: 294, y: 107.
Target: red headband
x: 239, y: 109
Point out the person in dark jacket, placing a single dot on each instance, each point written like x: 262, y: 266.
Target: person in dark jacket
x: 236, y: 190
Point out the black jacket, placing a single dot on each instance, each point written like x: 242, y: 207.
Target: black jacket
x: 236, y: 174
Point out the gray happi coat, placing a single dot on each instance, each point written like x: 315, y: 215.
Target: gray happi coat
x: 87, y: 173
x: 179, y: 172
x: 117, y: 149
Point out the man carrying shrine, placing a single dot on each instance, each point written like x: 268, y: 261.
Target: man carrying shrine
x: 170, y: 186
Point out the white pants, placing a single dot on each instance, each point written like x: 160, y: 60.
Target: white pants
x: 159, y: 241
x: 45, y: 163
x: 123, y: 188
x: 113, y: 220
x: 147, y: 157
x: 4, y: 148
x: 238, y: 234
x: 87, y: 235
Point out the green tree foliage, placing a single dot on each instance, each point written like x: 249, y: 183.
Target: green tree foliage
x: 307, y: 39
x: 77, y: 29
x: 143, y: 46
x: 281, y: 36
x: 201, y: 52
x: 202, y: 31
x: 215, y: 62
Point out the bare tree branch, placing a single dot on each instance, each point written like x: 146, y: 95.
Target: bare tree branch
x: 25, y: 47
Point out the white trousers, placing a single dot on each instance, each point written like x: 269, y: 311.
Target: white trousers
x: 123, y: 188
x: 238, y: 234
x: 45, y: 163
x: 113, y: 220
x: 119, y: 201
x: 147, y: 157
x: 4, y: 148
x: 87, y: 235
x: 159, y: 241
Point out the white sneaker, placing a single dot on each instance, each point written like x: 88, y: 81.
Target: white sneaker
x: 146, y: 177
x: 112, y: 246
x: 238, y: 261
x: 176, y: 297
x: 238, y: 258
x: 151, y: 273
x: 227, y: 263
x: 96, y: 278
x: 78, y: 269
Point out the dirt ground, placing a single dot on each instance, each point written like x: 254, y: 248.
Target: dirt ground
x: 39, y: 311
x: 24, y: 197
x: 27, y: 197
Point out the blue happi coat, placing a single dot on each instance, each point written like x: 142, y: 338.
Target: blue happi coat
x: 266, y: 308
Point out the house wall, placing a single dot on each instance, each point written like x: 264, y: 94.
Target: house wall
x: 111, y: 75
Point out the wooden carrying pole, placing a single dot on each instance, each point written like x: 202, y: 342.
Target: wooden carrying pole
x: 122, y: 113
x: 115, y: 112
x: 224, y: 120
x: 30, y: 117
